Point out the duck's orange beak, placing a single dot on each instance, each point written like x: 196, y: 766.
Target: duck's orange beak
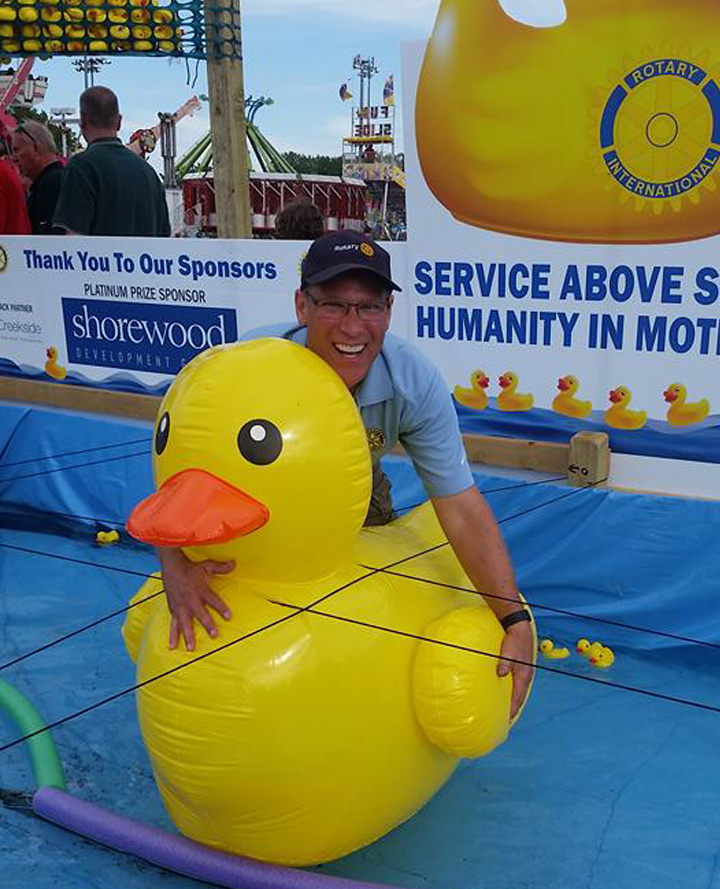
x: 669, y: 395
x: 193, y: 508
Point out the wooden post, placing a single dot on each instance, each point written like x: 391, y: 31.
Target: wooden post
x: 227, y: 118
x: 589, y: 459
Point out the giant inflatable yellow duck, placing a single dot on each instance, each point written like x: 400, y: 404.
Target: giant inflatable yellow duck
x: 618, y: 415
x: 565, y: 401
x: 310, y: 731
x: 681, y: 412
x: 601, y: 128
x: 476, y: 396
x: 509, y: 399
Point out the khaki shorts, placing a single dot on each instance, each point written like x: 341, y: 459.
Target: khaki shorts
x: 380, y: 511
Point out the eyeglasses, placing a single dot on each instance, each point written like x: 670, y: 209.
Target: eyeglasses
x: 334, y: 310
x: 21, y: 129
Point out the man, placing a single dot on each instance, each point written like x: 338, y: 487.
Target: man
x: 36, y: 155
x: 107, y: 189
x: 13, y: 213
x: 343, y: 308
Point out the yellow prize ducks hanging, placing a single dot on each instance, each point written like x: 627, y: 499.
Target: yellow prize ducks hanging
x: 605, y: 128
x: 312, y: 736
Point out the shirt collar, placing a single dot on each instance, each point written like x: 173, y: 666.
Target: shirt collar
x: 377, y: 385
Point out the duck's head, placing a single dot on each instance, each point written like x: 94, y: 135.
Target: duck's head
x: 603, y: 658
x: 51, y: 353
x: 478, y: 380
x: 508, y: 380
x: 259, y: 456
x: 582, y: 645
x: 546, y: 645
x: 568, y: 384
x: 621, y: 395
x: 675, y: 392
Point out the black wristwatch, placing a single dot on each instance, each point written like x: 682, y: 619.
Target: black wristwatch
x: 515, y: 617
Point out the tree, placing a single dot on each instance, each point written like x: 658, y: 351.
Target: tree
x: 71, y: 140
x: 317, y: 164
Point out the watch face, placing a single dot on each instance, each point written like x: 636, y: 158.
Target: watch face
x: 3, y: 259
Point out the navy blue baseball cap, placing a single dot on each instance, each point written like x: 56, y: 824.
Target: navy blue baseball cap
x: 345, y: 251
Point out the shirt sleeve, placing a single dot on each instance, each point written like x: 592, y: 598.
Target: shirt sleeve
x: 76, y: 203
x: 431, y: 436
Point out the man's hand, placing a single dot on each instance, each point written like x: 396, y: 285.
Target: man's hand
x: 518, y: 645
x: 189, y: 595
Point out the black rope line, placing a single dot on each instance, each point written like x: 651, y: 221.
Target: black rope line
x: 120, y: 444
x: 77, y: 632
x: 18, y: 478
x: 36, y: 513
x: 388, y: 514
x: 232, y: 642
x: 604, y: 682
x: 562, y: 611
x: 36, y: 552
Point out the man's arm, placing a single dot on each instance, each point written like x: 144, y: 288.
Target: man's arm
x: 187, y: 588
x: 475, y: 538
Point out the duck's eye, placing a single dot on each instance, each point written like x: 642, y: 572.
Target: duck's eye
x: 162, y: 434
x: 260, y: 442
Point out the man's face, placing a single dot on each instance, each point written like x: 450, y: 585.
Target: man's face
x: 26, y: 155
x: 349, y: 341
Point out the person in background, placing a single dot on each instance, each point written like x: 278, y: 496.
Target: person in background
x: 36, y: 155
x: 13, y: 212
x: 107, y: 189
x: 300, y: 220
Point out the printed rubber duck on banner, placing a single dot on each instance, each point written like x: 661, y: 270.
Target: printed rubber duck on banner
x: 682, y: 412
x: 476, y: 396
x: 601, y: 126
x: 509, y: 399
x: 619, y: 416
x: 565, y: 401
x: 52, y: 368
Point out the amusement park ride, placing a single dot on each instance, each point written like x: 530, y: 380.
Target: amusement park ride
x: 368, y: 196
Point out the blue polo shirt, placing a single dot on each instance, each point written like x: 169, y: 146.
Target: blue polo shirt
x: 403, y: 398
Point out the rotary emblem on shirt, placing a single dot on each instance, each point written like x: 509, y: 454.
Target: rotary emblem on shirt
x: 376, y: 439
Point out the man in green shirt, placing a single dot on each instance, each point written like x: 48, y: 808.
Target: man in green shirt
x: 107, y: 189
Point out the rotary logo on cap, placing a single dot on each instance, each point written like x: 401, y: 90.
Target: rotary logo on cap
x: 367, y: 249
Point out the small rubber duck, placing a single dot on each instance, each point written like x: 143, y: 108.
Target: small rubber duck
x: 107, y: 538
x: 565, y: 402
x: 681, y: 413
x: 509, y: 399
x: 618, y: 416
x: 548, y: 650
x: 475, y: 397
x: 603, y: 658
x: 582, y: 645
x: 52, y: 368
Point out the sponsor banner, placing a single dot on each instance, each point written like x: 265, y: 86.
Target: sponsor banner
x: 564, y: 275
x: 126, y: 314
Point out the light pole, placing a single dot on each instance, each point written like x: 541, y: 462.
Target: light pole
x: 89, y: 66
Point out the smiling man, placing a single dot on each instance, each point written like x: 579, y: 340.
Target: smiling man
x: 343, y: 308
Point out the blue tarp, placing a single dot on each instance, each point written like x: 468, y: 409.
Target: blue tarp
x: 596, y: 786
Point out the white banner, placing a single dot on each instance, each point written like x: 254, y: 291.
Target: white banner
x: 542, y: 338
x: 126, y: 314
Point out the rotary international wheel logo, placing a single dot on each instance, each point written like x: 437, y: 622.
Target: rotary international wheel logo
x: 3, y: 259
x: 660, y: 130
